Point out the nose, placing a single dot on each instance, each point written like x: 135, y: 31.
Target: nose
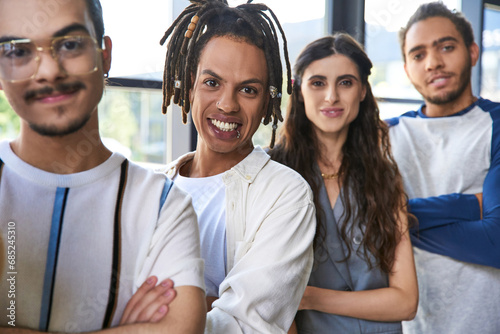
x: 228, y: 102
x: 331, y: 95
x: 49, y: 68
x: 434, y: 61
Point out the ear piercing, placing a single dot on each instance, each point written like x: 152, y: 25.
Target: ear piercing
x: 273, y: 91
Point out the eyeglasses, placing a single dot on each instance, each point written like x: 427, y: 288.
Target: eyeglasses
x: 20, y: 59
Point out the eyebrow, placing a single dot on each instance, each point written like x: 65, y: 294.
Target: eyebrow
x: 218, y: 77
x: 71, y: 28
x: 437, y: 42
x: 347, y: 76
x: 63, y: 32
x: 211, y: 73
x: 343, y: 76
x: 320, y: 77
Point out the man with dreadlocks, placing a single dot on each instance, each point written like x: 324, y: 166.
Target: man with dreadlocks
x: 256, y: 217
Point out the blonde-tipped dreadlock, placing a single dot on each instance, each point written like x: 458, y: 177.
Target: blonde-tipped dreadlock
x: 205, y: 19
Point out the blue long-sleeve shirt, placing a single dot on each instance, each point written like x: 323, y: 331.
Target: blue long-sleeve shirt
x: 450, y: 223
x: 444, y: 162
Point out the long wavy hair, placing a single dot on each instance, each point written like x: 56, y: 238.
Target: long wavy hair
x: 372, y: 190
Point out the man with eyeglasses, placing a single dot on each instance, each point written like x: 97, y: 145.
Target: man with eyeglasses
x: 81, y: 226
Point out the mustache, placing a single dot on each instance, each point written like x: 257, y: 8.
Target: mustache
x: 62, y: 88
x: 435, y: 74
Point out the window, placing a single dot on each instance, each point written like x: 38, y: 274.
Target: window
x: 490, y: 79
x: 383, y: 19
x: 130, y: 112
x: 138, y: 56
x: 302, y: 22
x: 9, y: 122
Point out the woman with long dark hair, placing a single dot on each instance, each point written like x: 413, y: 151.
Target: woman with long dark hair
x: 364, y: 277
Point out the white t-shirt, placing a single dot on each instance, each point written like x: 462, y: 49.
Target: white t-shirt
x: 64, y: 241
x: 209, y: 195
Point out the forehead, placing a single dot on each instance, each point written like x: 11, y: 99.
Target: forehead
x: 232, y: 58
x: 429, y: 31
x: 38, y: 19
x: 332, y: 66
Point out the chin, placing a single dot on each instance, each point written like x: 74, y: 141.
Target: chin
x: 59, y: 131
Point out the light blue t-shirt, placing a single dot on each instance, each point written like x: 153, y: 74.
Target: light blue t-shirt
x: 209, y: 197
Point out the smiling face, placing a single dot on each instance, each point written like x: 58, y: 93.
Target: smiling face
x: 438, y: 63
x: 332, y: 91
x: 229, y: 96
x: 53, y: 103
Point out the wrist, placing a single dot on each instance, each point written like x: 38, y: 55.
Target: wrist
x: 306, y: 303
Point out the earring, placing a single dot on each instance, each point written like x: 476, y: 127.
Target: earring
x: 273, y: 91
x: 106, y: 75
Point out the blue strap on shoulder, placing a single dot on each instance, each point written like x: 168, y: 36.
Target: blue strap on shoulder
x: 166, y: 189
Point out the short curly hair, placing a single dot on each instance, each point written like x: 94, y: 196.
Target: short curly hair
x: 438, y: 9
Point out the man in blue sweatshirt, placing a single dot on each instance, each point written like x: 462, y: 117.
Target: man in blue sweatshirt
x: 448, y: 152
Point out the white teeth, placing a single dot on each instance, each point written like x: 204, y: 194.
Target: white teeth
x: 224, y: 126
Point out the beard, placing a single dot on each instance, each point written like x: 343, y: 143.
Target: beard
x: 464, y: 80
x: 54, y: 131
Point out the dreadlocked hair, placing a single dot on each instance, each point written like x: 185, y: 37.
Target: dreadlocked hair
x: 206, y: 19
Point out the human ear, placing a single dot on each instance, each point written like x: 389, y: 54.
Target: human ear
x: 474, y: 53
x: 363, y: 93
x: 193, y: 77
x: 300, y: 98
x: 266, y: 104
x: 106, y: 54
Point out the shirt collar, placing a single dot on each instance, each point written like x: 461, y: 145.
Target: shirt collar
x: 247, y: 169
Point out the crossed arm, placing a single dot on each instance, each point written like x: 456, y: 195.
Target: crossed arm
x: 395, y: 303
x: 174, y: 252
x: 459, y: 225
x: 262, y: 292
x: 185, y: 303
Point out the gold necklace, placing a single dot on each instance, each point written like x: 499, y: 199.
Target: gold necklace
x: 329, y: 176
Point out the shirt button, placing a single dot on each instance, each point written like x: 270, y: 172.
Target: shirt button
x: 248, y: 177
x: 357, y: 239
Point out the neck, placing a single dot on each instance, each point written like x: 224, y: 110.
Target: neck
x: 207, y: 162
x: 73, y: 153
x: 450, y: 108
x: 330, y: 157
